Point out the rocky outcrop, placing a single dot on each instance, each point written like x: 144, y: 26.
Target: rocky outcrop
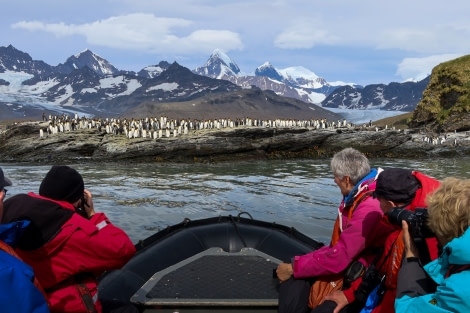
x: 445, y: 105
x: 22, y: 143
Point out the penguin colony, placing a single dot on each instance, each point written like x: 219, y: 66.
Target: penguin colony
x: 164, y: 127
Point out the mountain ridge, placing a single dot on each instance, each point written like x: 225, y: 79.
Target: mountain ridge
x: 88, y: 83
x: 301, y: 83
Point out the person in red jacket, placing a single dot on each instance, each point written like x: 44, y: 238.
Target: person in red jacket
x: 67, y: 243
x: 404, y: 191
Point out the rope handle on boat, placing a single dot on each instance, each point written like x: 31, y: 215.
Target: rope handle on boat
x: 239, y: 215
x: 236, y: 227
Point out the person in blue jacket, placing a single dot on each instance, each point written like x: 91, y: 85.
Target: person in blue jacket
x: 443, y: 284
x: 18, y: 292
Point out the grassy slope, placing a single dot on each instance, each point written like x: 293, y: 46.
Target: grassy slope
x: 399, y: 121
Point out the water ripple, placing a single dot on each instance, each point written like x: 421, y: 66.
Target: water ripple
x: 144, y: 198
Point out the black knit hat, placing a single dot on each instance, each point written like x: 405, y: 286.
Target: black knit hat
x: 62, y: 183
x: 397, y: 185
x: 3, y: 180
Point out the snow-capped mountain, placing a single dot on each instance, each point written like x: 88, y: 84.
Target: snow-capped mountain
x: 391, y: 97
x: 300, y: 76
x: 301, y: 83
x: 296, y: 82
x: 14, y: 60
x: 219, y: 66
x: 87, y: 59
x: 154, y: 70
x: 89, y: 84
x: 268, y: 70
x: 175, y: 84
x: 84, y: 88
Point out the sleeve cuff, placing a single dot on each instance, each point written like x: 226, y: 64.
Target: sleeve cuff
x: 349, y: 294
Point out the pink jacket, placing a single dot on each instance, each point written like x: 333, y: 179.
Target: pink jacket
x: 359, y: 233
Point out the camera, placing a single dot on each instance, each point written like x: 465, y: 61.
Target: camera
x: 370, y: 280
x: 416, y: 221
x: 81, y: 209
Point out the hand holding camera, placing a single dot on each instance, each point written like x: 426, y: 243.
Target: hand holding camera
x: 410, y: 248
x: 86, y: 208
x: 417, y: 230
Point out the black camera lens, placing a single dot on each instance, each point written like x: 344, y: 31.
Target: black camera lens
x: 396, y: 215
x: 416, y: 221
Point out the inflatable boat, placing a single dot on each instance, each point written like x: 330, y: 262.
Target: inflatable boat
x: 219, y: 264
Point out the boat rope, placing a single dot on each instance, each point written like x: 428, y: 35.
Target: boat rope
x: 237, y: 230
x: 239, y: 214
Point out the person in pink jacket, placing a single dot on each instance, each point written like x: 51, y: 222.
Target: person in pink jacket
x: 67, y: 243
x: 355, y: 232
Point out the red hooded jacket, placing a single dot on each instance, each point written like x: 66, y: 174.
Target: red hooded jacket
x: 393, y: 249
x: 66, y: 250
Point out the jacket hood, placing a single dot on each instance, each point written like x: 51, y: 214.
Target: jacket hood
x: 458, y: 250
x: 10, y: 233
x: 46, y: 217
x: 368, y: 180
x: 455, y: 252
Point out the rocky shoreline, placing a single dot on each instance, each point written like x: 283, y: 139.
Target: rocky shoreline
x: 22, y: 143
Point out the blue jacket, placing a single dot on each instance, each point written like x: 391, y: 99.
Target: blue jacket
x: 452, y: 293
x: 17, y: 290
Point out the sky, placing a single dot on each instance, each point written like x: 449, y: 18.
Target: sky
x: 363, y: 41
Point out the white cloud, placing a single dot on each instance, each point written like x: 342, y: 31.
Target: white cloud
x: 429, y: 39
x: 400, y: 25
x: 417, y: 69
x: 301, y: 39
x: 305, y: 35
x: 143, y: 32
x: 360, y: 41
x: 222, y: 39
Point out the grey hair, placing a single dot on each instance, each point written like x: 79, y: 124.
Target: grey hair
x: 350, y: 162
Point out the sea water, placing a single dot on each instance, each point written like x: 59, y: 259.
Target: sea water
x: 143, y: 198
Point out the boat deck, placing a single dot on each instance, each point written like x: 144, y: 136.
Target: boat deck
x: 214, y: 278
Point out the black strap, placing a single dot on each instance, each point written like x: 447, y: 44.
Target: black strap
x: 86, y: 297
x: 371, y: 278
x: 82, y: 289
